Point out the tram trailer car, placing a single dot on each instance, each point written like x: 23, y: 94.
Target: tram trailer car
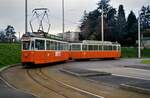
x: 42, y: 51
x: 95, y: 50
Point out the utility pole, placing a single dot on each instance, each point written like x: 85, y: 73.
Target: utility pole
x: 102, y: 19
x: 63, y: 17
x: 139, y: 37
x: 26, y: 16
x: 19, y: 37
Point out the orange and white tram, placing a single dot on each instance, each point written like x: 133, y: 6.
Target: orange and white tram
x: 95, y: 49
x: 42, y: 50
x: 37, y: 50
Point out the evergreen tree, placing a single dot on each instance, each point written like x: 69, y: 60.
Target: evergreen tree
x: 112, y: 19
x: 105, y: 6
x: 121, y: 24
x: 88, y: 25
x: 84, y: 27
x: 132, y: 29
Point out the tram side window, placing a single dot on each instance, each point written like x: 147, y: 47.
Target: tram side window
x: 48, y: 45
x: 105, y: 47
x: 76, y: 47
x: 100, y: 47
x: 110, y: 47
x: 52, y: 45
x: 58, y: 46
x: 26, y: 45
x: 32, y: 45
x: 114, y: 47
x: 39, y: 45
x: 95, y: 47
x: 65, y: 46
x: 61, y: 46
x: 90, y: 47
x: 84, y: 47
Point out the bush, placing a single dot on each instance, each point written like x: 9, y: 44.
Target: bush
x: 9, y: 54
x: 132, y: 52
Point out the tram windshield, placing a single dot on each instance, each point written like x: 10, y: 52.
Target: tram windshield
x: 26, y: 45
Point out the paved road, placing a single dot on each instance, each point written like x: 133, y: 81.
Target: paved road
x: 124, y: 67
x: 8, y: 92
x: 16, y: 74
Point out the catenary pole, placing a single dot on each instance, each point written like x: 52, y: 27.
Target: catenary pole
x: 26, y: 16
x: 139, y: 37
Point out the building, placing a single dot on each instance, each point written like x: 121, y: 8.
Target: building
x: 146, y: 38
x: 70, y: 36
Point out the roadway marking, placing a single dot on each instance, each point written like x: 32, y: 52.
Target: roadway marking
x: 80, y: 90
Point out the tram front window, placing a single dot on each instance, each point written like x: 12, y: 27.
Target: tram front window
x: 26, y: 45
x: 39, y: 45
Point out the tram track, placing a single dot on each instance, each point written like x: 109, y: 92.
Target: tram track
x: 30, y: 74
x: 72, y: 87
x: 64, y: 90
x: 49, y: 82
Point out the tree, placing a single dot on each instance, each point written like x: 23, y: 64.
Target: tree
x: 132, y: 29
x: 104, y: 4
x: 145, y: 17
x: 2, y: 36
x: 121, y: 24
x: 10, y: 33
x: 84, y: 27
x: 88, y: 24
x: 91, y: 22
x: 112, y: 22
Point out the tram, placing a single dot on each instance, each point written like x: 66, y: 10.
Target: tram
x: 42, y: 50
x: 94, y: 50
x: 37, y: 50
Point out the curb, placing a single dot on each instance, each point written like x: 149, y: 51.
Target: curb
x: 9, y: 66
x: 70, y: 72
x: 9, y: 85
x: 85, y: 75
x: 135, y: 89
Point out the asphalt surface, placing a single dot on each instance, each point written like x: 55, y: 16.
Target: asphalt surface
x: 8, y: 92
x: 118, y: 80
x: 109, y: 79
x: 134, y: 67
x: 130, y: 72
x: 120, y: 74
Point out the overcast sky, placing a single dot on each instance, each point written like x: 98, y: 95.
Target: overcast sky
x: 12, y: 11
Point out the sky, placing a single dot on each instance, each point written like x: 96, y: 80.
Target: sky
x: 12, y: 12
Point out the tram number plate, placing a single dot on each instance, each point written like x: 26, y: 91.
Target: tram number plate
x: 57, y: 53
